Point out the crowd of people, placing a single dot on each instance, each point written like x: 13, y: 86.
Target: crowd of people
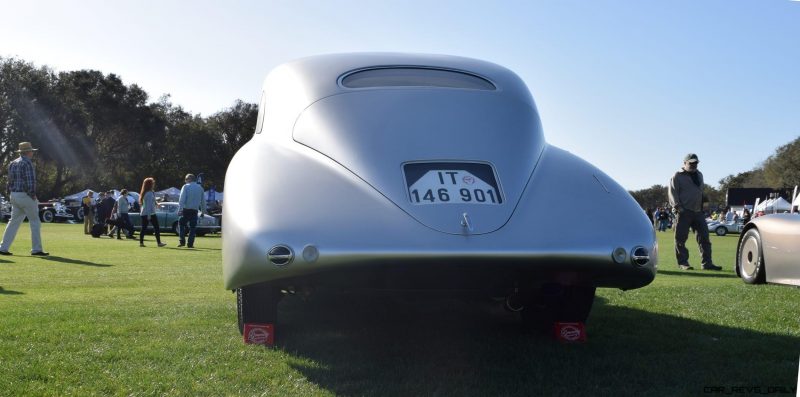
x: 664, y: 217
x: 111, y: 214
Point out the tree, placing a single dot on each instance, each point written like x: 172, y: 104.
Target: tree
x: 747, y: 179
x: 782, y: 169
x: 652, y: 197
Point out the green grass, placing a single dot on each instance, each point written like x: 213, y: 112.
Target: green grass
x: 105, y: 317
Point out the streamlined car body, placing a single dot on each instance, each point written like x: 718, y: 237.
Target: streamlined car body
x: 769, y: 250
x: 421, y: 172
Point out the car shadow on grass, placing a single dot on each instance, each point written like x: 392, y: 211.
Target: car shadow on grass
x: 383, y: 346
x: 61, y: 259
x: 698, y: 273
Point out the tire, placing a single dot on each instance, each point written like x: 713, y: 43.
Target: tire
x: 750, y: 258
x: 551, y: 305
x: 721, y: 231
x: 257, y: 304
x: 48, y: 216
x: 79, y: 215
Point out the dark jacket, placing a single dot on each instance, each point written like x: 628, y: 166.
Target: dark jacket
x: 104, y: 208
x: 684, y: 193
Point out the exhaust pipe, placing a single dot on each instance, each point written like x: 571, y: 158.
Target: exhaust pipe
x: 514, y: 303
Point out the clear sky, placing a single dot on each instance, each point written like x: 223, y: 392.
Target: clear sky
x: 629, y: 85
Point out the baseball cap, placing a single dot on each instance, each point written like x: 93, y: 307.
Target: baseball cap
x: 692, y: 158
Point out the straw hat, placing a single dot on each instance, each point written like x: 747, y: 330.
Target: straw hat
x: 26, y: 147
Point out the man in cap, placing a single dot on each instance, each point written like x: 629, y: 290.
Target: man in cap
x: 687, y: 199
x: 22, y: 188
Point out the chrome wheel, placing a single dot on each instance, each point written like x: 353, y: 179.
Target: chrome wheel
x: 750, y: 258
x: 48, y: 216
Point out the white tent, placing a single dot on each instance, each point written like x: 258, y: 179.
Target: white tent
x: 170, y: 194
x: 218, y: 196
x: 132, y: 196
x: 774, y: 205
x: 80, y: 195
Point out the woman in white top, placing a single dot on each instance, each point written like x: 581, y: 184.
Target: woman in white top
x: 147, y: 199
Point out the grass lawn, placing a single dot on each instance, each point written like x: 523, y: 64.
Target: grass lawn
x: 105, y: 317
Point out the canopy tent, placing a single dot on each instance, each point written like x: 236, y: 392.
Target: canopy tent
x: 173, y: 194
x: 169, y: 194
x: 217, y: 196
x: 80, y: 195
x: 132, y: 196
x: 774, y: 205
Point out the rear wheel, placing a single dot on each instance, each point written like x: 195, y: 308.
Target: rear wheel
x: 721, y: 231
x: 750, y: 258
x: 257, y: 304
x: 557, y: 304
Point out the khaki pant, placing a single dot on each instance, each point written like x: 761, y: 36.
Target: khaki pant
x: 23, y: 206
x: 88, y: 221
x: 697, y: 221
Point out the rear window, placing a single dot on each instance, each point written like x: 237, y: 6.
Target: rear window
x: 415, y: 77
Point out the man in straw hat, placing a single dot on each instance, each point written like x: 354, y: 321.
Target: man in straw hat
x: 22, y: 188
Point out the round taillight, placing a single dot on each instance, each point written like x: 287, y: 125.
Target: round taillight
x: 619, y: 255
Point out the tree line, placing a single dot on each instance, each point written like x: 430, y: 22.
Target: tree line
x: 780, y: 170
x: 94, y: 131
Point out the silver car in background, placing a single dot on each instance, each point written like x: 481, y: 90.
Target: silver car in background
x: 421, y: 172
x: 723, y: 228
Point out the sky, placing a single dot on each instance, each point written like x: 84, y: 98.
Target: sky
x: 631, y: 86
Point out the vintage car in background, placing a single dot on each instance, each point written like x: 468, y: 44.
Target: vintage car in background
x: 54, y: 211
x: 5, y: 209
x: 769, y: 250
x: 167, y: 215
x: 723, y: 228
x: 74, y: 207
x: 415, y: 173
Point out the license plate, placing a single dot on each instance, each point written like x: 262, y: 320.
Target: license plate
x: 452, y: 183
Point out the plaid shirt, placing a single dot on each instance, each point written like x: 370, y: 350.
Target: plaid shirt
x: 22, y: 176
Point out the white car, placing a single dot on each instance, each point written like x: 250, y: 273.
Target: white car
x: 723, y: 228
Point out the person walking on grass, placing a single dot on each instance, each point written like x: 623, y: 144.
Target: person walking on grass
x: 88, y: 212
x: 687, y: 199
x: 147, y: 199
x: 190, y: 202
x: 22, y: 188
x: 123, y: 220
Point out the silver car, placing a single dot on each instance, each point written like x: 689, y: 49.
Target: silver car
x: 167, y: 215
x: 421, y: 172
x: 769, y: 250
x: 723, y: 228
